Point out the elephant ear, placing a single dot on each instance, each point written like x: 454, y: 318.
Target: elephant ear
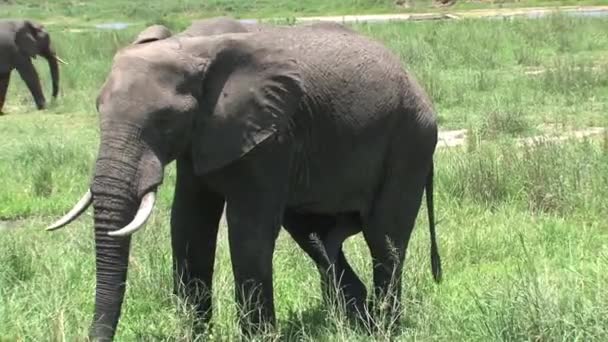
x: 249, y: 94
x: 152, y: 33
x: 26, y: 38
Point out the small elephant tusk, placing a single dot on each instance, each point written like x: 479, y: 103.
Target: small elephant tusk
x: 73, y: 214
x: 143, y: 213
x: 60, y: 60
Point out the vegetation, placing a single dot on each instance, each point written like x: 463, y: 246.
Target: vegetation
x: 145, y: 11
x: 522, y: 230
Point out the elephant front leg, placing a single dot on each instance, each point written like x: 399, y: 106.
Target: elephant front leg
x: 195, y: 217
x: 252, y: 232
x: 30, y: 77
x: 4, y: 81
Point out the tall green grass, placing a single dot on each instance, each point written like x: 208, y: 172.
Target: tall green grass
x: 515, y: 268
x: 507, y: 76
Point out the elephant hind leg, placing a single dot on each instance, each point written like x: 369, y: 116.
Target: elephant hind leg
x: 387, y: 235
x: 4, y: 81
x: 345, y: 226
x: 321, y: 237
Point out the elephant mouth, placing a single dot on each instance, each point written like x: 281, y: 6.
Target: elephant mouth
x: 144, y: 211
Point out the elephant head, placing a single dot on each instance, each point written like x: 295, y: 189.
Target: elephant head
x: 209, y: 100
x: 33, y: 40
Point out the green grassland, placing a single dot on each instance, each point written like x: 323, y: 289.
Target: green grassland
x: 85, y: 11
x: 522, y: 231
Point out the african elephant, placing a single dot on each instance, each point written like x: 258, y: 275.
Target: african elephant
x: 299, y: 127
x: 310, y: 230
x: 20, y: 41
x: 329, y: 231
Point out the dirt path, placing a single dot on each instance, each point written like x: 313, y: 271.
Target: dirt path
x: 457, y: 138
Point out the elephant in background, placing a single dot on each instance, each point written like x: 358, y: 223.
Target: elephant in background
x: 20, y: 41
x: 318, y: 130
x: 222, y: 25
x: 198, y: 28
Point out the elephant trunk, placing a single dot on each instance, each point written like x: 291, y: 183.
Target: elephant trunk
x: 117, y: 194
x: 51, y: 57
x: 114, y: 208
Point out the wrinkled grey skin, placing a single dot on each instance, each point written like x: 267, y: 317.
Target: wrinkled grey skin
x: 20, y: 41
x: 317, y: 130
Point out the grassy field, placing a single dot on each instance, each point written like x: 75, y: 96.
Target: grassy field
x: 153, y: 11
x: 522, y: 232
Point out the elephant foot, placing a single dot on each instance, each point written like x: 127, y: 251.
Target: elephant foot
x: 199, y: 300
x: 349, y: 297
x: 201, y: 327
x: 383, y: 317
x: 40, y: 103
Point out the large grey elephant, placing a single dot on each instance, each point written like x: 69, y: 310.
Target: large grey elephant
x: 20, y: 41
x: 318, y: 130
x: 310, y: 230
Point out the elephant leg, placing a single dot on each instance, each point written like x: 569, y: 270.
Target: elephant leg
x: 256, y: 189
x: 387, y: 235
x: 309, y: 231
x: 195, y: 217
x: 30, y: 77
x: 337, y: 276
x: 4, y: 81
x: 252, y: 231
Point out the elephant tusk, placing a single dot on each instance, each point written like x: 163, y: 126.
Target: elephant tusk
x: 73, y: 214
x: 143, y: 213
x: 60, y: 60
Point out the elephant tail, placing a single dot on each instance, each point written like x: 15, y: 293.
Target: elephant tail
x: 435, y: 258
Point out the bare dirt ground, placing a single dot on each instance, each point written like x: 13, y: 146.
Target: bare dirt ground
x: 458, y: 137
